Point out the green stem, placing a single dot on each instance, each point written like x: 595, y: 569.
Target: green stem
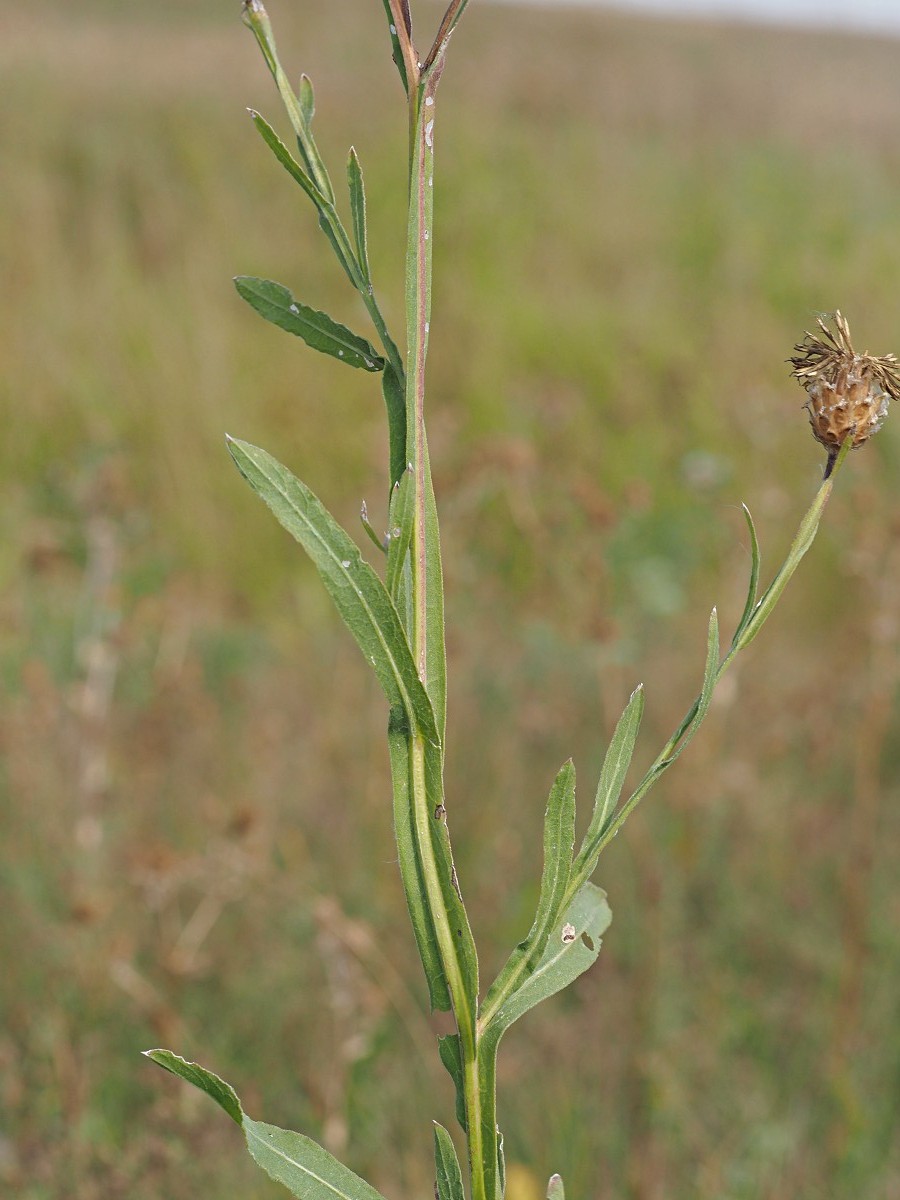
x: 427, y: 621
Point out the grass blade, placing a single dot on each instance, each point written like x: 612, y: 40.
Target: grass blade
x: 276, y: 304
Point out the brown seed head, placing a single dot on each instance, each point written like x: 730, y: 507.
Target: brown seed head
x: 847, y: 393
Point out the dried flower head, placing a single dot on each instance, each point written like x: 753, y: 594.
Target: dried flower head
x: 847, y: 393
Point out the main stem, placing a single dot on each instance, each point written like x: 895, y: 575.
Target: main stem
x: 427, y: 626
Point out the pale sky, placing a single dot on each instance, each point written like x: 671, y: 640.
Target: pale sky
x: 874, y: 15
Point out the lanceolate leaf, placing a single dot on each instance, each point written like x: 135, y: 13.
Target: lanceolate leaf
x: 328, y: 218
x: 287, y: 160
x: 396, y: 52
x: 750, y: 604
x: 409, y: 858
x: 436, y: 660
x: 358, y: 212
x: 394, y: 389
x: 448, y: 1177
x: 358, y: 593
x: 694, y: 719
x: 612, y: 775
x: 275, y: 302
x: 450, y: 1050
x: 399, y: 533
x: 306, y: 99
x: 559, y: 837
x: 305, y: 1168
x: 573, y: 946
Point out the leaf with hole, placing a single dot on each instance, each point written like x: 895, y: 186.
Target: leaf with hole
x: 572, y: 948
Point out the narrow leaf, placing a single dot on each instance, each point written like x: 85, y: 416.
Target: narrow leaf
x: 754, y: 577
x: 358, y: 212
x: 410, y: 862
x: 450, y: 1051
x: 370, y: 532
x: 399, y: 534
x: 359, y: 595
x: 805, y: 537
x: 396, y: 52
x: 572, y: 948
x: 306, y: 99
x: 448, y: 1177
x: 613, y: 772
x: 287, y: 160
x: 276, y: 303
x: 329, y: 221
x: 710, y: 671
x: 559, y: 838
x: 435, y: 642
x: 394, y: 388
x: 305, y: 1168
x: 465, y: 958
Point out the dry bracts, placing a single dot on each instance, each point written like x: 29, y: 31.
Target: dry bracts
x: 847, y: 393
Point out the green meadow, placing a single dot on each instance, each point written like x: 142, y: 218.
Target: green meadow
x: 636, y: 220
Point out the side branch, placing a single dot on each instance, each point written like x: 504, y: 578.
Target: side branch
x: 403, y: 33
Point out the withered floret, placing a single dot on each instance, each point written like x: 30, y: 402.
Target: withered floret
x: 847, y: 393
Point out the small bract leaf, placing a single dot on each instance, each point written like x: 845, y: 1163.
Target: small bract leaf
x: 274, y: 302
x: 450, y: 1051
x: 753, y: 583
x: 555, y: 1189
x: 306, y: 99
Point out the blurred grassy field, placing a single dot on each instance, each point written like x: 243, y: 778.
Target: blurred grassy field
x: 635, y: 221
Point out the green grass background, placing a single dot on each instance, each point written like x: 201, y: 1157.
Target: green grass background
x: 635, y: 221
